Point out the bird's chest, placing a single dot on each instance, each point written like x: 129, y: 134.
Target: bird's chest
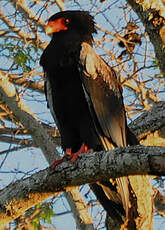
x: 59, y: 56
x: 65, y: 78
x: 66, y: 86
x: 61, y: 65
x: 66, y: 96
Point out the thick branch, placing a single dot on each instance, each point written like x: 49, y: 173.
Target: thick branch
x: 149, y: 121
x: 89, y: 168
x: 9, y: 95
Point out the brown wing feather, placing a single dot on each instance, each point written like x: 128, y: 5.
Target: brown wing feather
x: 104, y: 93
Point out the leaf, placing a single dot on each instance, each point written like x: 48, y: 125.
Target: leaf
x: 45, y: 215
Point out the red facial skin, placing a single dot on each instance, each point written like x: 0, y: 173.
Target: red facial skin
x: 56, y: 26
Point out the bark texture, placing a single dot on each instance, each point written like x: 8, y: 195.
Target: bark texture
x: 152, y: 15
x: 89, y: 168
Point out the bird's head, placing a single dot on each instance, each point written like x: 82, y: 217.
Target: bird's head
x: 73, y: 21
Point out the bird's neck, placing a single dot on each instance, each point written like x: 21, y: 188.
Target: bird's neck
x: 70, y: 37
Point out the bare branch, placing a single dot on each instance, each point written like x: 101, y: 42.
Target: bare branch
x: 151, y: 28
x: 89, y: 168
x: 37, y: 86
x: 27, y: 12
x: 26, y: 37
x: 151, y: 125
x: 9, y: 95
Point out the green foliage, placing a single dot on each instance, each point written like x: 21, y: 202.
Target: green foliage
x: 156, y: 63
x: 46, y: 213
x: 22, y: 56
x: 21, y: 59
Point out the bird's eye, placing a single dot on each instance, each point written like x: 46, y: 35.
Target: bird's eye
x: 67, y: 21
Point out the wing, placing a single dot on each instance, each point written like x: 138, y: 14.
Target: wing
x: 105, y: 100
x: 104, y: 93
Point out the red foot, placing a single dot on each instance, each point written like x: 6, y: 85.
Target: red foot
x: 74, y: 156
x: 57, y: 162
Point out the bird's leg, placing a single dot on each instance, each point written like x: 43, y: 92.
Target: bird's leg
x: 57, y: 162
x: 68, y: 154
x: 73, y: 156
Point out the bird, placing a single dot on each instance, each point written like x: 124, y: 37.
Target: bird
x: 86, y: 102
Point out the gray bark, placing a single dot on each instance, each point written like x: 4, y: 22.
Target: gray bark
x: 153, y: 29
x: 89, y: 168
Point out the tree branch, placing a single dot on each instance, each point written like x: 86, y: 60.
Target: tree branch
x: 144, y: 11
x: 89, y: 168
x: 20, y: 32
x: 150, y: 126
x: 40, y: 137
x: 150, y: 121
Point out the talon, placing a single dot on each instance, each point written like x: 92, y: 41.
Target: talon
x: 74, y: 156
x: 57, y: 162
x: 68, y: 151
x: 84, y: 149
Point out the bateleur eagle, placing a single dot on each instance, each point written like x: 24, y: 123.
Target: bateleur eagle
x: 85, y: 99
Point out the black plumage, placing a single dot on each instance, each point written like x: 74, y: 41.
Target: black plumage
x: 85, y: 99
